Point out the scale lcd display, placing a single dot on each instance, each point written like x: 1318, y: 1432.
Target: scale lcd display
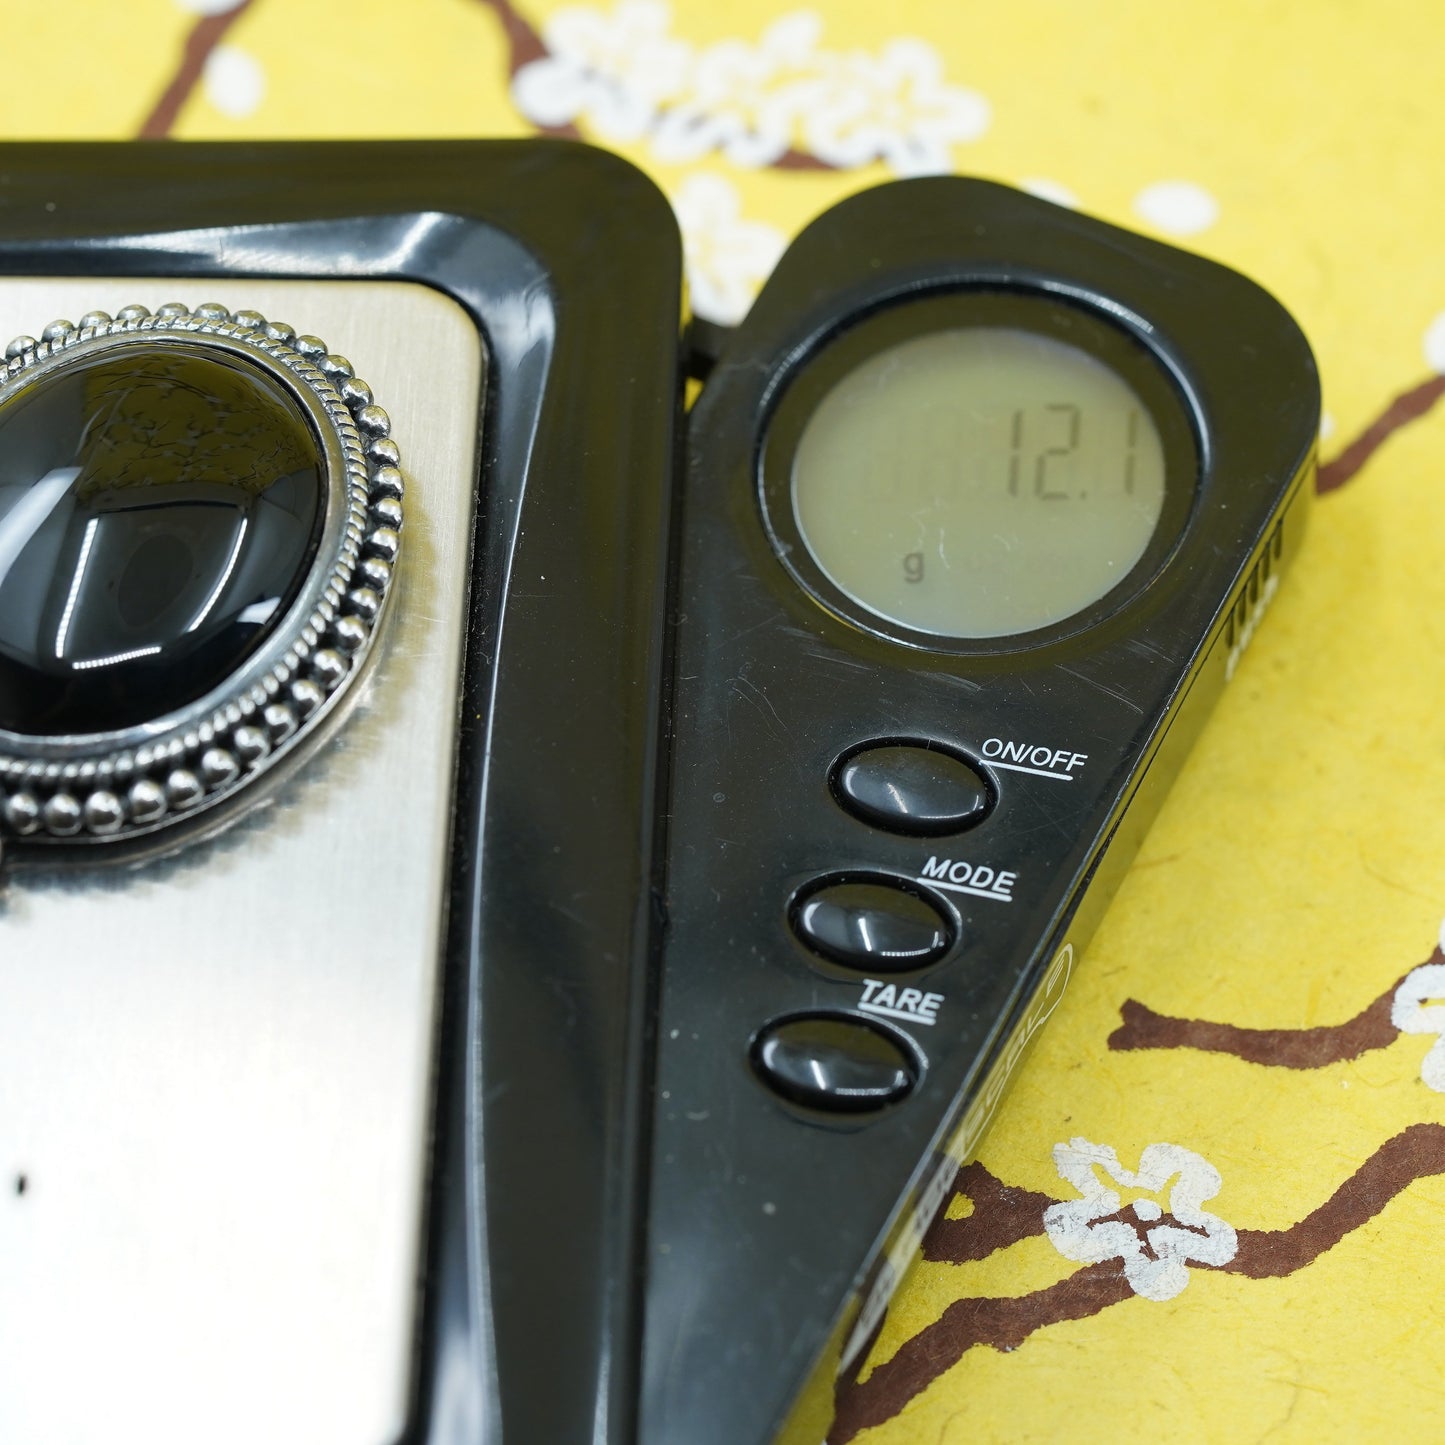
x: 979, y: 481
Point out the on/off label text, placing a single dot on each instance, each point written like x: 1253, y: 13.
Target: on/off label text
x: 1036, y: 758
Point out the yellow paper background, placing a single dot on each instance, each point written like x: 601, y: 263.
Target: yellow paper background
x: 1296, y: 871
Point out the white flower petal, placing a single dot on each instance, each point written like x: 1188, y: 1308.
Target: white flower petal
x: 893, y: 107
x: 625, y: 65
x: 1071, y: 1229
x: 916, y: 155
x: 1409, y: 1011
x: 791, y: 39
x: 644, y: 17
x: 207, y: 7
x: 618, y: 114
x: 575, y: 31
x: 1198, y: 1178
x: 960, y: 114
x: 753, y: 149
x: 1082, y: 1229
x: 1435, y: 359
x: 911, y: 59
x: 1155, y: 1279
x: 1412, y: 1013
x: 754, y: 248
x: 1178, y: 207
x: 661, y: 70
x: 727, y: 258
x: 723, y: 67
x: 1432, y: 1067
x: 1078, y: 1162
x: 684, y: 134
x: 719, y: 295
x: 838, y: 136
x: 706, y: 201
x: 550, y: 92
x: 1218, y: 1245
x: 234, y: 81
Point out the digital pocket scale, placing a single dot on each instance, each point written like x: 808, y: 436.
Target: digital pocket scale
x: 983, y: 501
x: 672, y: 830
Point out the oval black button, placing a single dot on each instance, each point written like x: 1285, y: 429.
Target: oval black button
x: 159, y: 508
x: 875, y: 927
x: 833, y: 1062
x: 908, y: 788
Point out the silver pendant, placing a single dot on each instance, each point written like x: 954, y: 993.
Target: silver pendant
x: 200, y: 512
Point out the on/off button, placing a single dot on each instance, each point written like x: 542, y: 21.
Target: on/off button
x: 910, y: 788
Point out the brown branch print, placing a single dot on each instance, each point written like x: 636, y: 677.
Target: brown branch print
x: 1004, y: 1324
x: 1002, y: 1215
x: 1409, y: 406
x: 1416, y: 1153
x: 524, y: 45
x: 205, y: 35
x: 1314, y: 1048
x: 793, y: 159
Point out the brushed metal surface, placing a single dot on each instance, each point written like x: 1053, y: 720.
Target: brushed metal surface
x: 215, y: 1067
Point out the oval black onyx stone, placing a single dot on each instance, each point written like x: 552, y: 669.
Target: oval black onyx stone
x: 833, y: 1062
x: 911, y: 788
x: 874, y: 927
x: 160, y: 506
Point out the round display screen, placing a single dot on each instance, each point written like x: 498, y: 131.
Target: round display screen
x: 980, y: 481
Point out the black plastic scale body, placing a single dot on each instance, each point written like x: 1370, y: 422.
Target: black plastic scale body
x: 822, y: 1072
x: 647, y: 1217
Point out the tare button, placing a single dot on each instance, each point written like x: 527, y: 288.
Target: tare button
x: 834, y: 1063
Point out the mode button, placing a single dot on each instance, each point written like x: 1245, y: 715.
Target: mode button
x: 875, y: 925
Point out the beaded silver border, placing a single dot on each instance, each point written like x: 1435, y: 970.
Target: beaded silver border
x: 110, y: 786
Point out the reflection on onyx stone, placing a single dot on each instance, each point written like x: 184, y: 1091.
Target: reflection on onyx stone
x: 159, y: 509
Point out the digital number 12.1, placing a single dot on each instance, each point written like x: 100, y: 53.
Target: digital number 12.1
x: 1072, y: 419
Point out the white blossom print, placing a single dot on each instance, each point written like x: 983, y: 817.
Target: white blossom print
x: 894, y: 107
x: 1181, y: 208
x: 1413, y: 1012
x: 613, y: 71
x: 1434, y: 344
x: 234, y: 81
x: 742, y: 99
x: 727, y: 257
x: 1100, y: 1226
x: 781, y: 99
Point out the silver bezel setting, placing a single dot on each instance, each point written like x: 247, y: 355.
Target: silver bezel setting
x: 110, y: 786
